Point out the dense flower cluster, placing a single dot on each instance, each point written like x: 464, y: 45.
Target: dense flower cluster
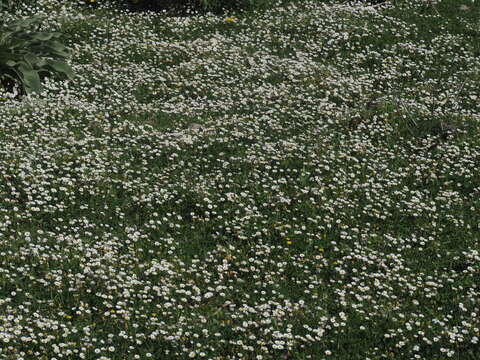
x: 298, y: 183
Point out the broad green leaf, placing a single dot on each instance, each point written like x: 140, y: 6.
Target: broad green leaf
x: 30, y: 79
x: 26, y: 22
x: 57, y: 46
x: 11, y: 63
x: 62, y: 67
x: 31, y: 59
x: 43, y: 36
x: 41, y: 63
x: 24, y: 65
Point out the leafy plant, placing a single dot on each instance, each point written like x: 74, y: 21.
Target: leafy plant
x: 197, y: 5
x: 5, y: 4
x: 13, y: 4
x: 27, y: 54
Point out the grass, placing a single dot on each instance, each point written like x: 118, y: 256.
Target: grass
x: 274, y: 184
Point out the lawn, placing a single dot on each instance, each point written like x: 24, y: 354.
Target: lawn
x: 296, y: 182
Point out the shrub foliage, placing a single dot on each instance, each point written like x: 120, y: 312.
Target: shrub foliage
x: 216, y: 6
x: 27, y: 54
